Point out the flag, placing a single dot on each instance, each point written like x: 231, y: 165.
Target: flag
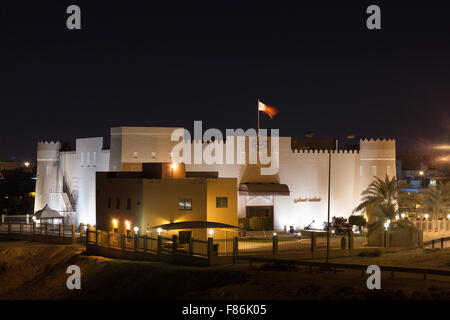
x: 270, y: 111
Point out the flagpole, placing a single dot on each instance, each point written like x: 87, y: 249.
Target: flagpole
x: 257, y: 134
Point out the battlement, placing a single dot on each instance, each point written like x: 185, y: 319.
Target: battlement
x: 377, y: 140
x: 307, y: 151
x: 45, y: 145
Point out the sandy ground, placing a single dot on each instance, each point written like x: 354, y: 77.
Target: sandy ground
x: 38, y: 271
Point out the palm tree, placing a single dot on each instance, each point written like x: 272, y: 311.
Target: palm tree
x: 409, y: 201
x: 437, y: 198
x: 381, y: 196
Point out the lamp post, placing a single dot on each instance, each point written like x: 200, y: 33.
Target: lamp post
x: 328, y: 217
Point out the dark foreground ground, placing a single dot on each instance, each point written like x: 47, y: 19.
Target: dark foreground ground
x: 38, y: 271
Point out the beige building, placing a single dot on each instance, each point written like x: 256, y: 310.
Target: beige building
x: 156, y: 196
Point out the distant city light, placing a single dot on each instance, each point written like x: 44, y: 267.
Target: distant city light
x: 443, y: 159
x: 27, y: 164
x: 442, y: 147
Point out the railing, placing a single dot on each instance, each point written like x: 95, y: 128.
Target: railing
x: 335, y: 266
x: 434, y: 225
x: 436, y: 241
x: 147, y: 244
x: 313, y: 245
x: 43, y: 232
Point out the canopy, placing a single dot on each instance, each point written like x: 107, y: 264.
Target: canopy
x: 263, y: 189
x: 48, y: 213
x: 194, y: 225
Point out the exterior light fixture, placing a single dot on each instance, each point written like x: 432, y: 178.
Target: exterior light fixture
x: 174, y: 165
x: 274, y: 234
x: 397, y: 217
x: 386, y: 225
x: 211, y: 232
x: 159, y: 231
x: 27, y: 164
x: 421, y: 173
x: 115, y: 223
x: 426, y: 215
x: 403, y: 215
x: 136, y: 229
x: 448, y: 216
x: 34, y: 218
x: 128, y: 225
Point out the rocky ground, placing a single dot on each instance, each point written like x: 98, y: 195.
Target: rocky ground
x: 38, y: 271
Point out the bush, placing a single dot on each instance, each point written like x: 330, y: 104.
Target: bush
x: 260, y: 223
x: 357, y: 221
x: 243, y: 223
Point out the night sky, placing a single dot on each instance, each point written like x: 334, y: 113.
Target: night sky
x: 148, y: 63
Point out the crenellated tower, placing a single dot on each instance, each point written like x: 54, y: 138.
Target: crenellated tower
x: 47, y: 175
x: 376, y: 159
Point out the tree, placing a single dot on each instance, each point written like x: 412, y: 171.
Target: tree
x: 409, y: 201
x: 437, y: 199
x: 381, y: 196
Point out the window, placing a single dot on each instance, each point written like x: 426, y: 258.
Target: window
x: 185, y: 204
x: 109, y: 202
x: 135, y: 155
x: 153, y: 155
x: 360, y: 171
x: 118, y: 203
x: 49, y: 170
x: 88, y: 158
x: 95, y: 159
x: 82, y: 158
x: 221, y: 202
x: 128, y: 204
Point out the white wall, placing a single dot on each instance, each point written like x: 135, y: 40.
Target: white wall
x: 90, y: 159
x: 46, y: 175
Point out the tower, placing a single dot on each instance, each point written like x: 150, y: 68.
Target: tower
x: 376, y: 159
x: 47, y: 175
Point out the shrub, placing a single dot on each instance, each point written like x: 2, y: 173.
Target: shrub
x: 260, y: 223
x: 243, y: 223
x: 357, y: 221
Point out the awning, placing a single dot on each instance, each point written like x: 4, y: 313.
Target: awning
x: 263, y: 189
x: 194, y: 225
x: 48, y: 213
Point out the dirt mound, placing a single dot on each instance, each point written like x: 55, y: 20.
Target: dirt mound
x: 38, y: 271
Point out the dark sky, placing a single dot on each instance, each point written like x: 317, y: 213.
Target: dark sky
x: 143, y: 63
